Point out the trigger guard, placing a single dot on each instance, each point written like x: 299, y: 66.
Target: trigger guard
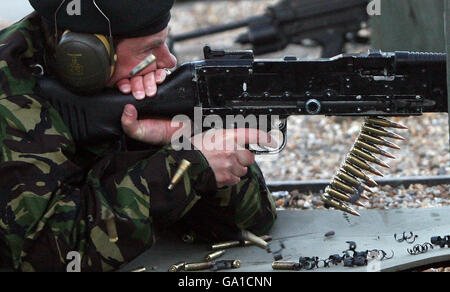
x: 283, y: 130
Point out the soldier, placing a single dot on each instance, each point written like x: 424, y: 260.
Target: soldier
x: 105, y: 201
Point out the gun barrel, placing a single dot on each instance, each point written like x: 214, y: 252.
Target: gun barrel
x: 412, y: 58
x: 215, y: 29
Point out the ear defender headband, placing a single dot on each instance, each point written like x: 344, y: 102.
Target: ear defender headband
x: 85, y: 62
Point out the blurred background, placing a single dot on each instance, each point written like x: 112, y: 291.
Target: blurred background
x: 316, y: 144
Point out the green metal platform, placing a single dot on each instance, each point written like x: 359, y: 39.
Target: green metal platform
x: 303, y: 235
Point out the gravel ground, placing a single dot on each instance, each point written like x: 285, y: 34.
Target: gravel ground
x: 317, y: 144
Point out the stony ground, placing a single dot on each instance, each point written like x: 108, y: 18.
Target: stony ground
x: 317, y: 145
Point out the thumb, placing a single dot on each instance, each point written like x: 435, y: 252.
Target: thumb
x: 130, y: 123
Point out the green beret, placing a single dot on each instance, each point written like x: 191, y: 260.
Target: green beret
x: 129, y: 18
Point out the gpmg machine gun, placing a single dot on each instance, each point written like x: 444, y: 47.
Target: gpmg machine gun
x: 374, y: 85
x: 330, y: 23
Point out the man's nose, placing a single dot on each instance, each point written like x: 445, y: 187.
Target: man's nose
x: 166, y: 60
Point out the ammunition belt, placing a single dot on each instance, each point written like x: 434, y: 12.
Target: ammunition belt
x: 350, y: 181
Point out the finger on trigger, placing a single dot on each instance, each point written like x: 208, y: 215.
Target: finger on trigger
x: 255, y: 136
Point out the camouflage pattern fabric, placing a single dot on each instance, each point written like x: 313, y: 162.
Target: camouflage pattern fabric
x: 57, y: 197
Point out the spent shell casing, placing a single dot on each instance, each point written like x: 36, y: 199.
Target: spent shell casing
x: 369, y: 157
x: 177, y: 267
x: 359, y: 174
x: 237, y: 243
x: 111, y: 228
x: 140, y: 270
x: 248, y: 236
x: 378, y: 141
x: 198, y: 266
x: 285, y: 266
x: 352, y: 159
x: 352, y: 181
x: 143, y: 65
x: 215, y: 255
x: 382, y: 122
x: 236, y: 264
x: 182, y: 169
x: 339, y: 205
x: 372, y: 148
x: 226, y: 265
x: 224, y: 245
x: 266, y: 238
x: 372, y: 129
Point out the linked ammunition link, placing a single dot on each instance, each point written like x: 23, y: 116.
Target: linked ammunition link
x: 435, y: 240
x: 407, y: 238
x: 441, y: 241
x: 420, y: 248
x: 350, y: 181
x: 350, y: 258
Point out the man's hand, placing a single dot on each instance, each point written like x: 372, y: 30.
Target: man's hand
x: 226, y: 153
x: 152, y: 131
x: 142, y: 86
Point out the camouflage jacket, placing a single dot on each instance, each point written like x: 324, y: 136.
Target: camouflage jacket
x: 57, y: 197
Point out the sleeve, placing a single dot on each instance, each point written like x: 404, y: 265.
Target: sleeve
x: 247, y: 206
x: 51, y: 207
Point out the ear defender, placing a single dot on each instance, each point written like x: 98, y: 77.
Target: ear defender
x: 85, y: 62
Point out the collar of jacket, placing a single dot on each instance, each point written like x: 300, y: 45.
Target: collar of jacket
x: 21, y: 48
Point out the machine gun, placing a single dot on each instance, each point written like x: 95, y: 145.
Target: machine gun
x: 234, y: 83
x: 330, y: 23
x: 372, y: 84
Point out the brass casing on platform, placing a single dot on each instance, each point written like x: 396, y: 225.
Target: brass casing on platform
x: 215, y: 255
x: 237, y: 243
x: 286, y: 266
x: 198, y: 266
x: 177, y: 267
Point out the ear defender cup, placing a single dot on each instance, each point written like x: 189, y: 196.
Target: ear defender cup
x: 85, y: 62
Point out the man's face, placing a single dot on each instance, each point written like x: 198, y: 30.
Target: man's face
x: 130, y: 52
